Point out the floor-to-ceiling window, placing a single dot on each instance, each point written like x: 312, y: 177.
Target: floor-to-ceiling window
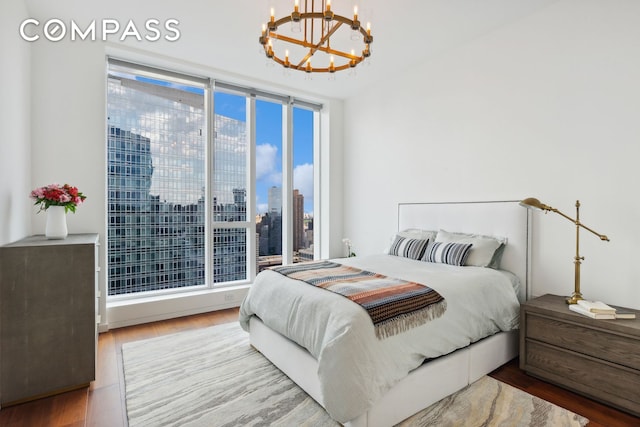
x: 207, y: 182
x: 156, y: 145
x: 304, y: 183
x: 269, y: 182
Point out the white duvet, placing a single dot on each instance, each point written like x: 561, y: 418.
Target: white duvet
x: 354, y: 367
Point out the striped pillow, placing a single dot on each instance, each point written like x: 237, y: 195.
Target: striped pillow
x: 408, y: 248
x: 447, y: 253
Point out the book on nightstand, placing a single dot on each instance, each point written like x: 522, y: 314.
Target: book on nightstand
x: 581, y: 310
x: 596, y: 307
x: 625, y: 315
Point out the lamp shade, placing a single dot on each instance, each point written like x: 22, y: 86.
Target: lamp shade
x: 533, y: 203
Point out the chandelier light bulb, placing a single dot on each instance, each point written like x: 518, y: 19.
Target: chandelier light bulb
x: 272, y: 21
x: 295, y: 18
x: 270, y: 53
x: 355, y: 25
x: 263, y: 37
x: 328, y: 14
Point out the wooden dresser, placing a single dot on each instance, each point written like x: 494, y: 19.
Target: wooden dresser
x: 48, y: 330
x: 597, y: 358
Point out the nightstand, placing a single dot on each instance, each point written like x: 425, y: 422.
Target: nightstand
x: 596, y: 358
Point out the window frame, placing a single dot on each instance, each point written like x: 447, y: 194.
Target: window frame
x: 211, y: 85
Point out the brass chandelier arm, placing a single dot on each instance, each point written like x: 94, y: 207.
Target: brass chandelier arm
x: 310, y: 45
x: 315, y: 70
x: 315, y: 47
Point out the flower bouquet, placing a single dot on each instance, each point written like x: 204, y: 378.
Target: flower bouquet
x: 57, y: 195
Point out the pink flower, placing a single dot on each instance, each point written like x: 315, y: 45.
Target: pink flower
x: 37, y: 193
x: 56, y: 195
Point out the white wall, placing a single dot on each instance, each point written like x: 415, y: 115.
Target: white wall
x: 68, y: 127
x: 546, y: 107
x: 15, y: 143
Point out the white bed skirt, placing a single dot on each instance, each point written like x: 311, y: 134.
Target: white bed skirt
x: 422, y: 387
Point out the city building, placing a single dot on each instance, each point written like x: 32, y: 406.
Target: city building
x: 152, y: 244
x: 299, y: 236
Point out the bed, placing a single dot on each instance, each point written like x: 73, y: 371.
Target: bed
x: 366, y: 381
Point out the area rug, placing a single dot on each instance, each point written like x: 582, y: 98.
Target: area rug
x: 212, y: 377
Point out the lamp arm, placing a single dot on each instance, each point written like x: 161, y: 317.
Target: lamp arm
x: 533, y: 203
x: 579, y: 224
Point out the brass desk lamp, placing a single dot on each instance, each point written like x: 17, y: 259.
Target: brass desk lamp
x: 531, y: 203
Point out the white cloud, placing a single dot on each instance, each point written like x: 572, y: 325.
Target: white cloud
x: 303, y: 180
x: 262, y: 208
x: 266, y: 161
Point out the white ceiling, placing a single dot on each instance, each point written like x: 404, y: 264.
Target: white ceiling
x: 223, y: 34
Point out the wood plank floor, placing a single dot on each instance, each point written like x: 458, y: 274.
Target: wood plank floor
x: 102, y: 404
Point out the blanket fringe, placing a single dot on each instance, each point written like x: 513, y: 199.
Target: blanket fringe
x: 407, y: 321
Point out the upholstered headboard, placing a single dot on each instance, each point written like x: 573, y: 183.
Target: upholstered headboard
x: 492, y: 218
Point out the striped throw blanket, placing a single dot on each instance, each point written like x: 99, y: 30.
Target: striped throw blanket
x: 394, y: 305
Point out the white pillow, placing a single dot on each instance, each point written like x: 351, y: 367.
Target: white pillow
x: 412, y: 233
x: 485, y: 252
x: 416, y: 233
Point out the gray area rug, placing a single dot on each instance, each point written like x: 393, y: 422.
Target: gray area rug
x: 212, y: 377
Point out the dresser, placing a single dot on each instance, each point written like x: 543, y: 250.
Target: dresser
x: 596, y: 358
x: 48, y: 313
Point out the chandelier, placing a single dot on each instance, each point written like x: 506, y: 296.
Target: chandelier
x: 314, y: 33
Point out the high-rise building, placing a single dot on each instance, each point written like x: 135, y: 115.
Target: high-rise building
x: 275, y: 201
x: 152, y: 244
x: 156, y: 244
x: 230, y: 244
x: 230, y: 204
x: 298, y: 221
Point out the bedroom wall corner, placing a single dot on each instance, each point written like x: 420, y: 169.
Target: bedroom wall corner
x: 15, y: 122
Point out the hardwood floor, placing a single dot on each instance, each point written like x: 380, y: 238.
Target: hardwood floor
x: 599, y: 415
x: 102, y: 404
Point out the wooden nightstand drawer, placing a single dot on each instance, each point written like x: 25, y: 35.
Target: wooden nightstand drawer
x: 591, y: 341
x: 597, y: 358
x: 614, y: 384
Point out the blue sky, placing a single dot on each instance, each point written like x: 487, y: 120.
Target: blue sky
x: 269, y: 145
x: 268, y: 141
